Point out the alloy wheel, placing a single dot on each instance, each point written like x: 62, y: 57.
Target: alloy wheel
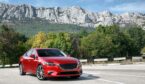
x: 40, y: 73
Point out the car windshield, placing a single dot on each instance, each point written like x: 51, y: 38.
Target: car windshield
x: 50, y: 53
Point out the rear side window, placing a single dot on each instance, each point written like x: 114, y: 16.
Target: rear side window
x: 28, y: 53
x: 34, y: 52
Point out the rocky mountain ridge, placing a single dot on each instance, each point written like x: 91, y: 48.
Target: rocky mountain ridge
x: 71, y: 15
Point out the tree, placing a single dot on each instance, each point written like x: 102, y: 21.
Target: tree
x: 49, y: 43
x: 67, y: 42
x: 137, y: 36
x: 9, y: 40
x: 63, y: 42
x: 38, y: 40
x: 104, y: 42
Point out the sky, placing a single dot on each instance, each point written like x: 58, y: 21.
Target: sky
x: 115, y: 6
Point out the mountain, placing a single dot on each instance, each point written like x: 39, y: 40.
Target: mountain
x: 71, y: 15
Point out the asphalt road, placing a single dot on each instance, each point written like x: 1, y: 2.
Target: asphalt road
x: 110, y: 74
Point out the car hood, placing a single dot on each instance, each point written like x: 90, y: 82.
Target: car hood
x: 60, y: 60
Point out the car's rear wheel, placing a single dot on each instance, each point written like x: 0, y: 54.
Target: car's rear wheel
x: 40, y: 73
x: 21, y: 70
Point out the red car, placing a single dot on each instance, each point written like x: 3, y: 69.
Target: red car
x: 49, y: 62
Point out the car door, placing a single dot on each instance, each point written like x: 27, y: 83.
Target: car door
x: 34, y: 62
x: 26, y: 60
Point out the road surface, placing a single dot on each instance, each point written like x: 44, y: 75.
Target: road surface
x: 93, y: 74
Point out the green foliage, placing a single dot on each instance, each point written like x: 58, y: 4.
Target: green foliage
x: 64, y: 41
x: 111, y: 41
x: 138, y: 40
x: 9, y: 45
x: 104, y: 41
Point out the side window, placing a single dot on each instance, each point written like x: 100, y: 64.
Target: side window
x: 28, y: 53
x: 34, y: 52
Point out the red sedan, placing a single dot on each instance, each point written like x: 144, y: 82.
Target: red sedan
x: 49, y: 62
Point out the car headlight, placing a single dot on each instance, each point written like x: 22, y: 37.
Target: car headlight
x: 50, y: 63
x: 79, y: 64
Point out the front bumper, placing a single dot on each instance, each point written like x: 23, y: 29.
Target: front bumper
x: 57, y: 71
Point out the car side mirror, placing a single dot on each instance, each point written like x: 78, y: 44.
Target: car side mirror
x: 32, y: 56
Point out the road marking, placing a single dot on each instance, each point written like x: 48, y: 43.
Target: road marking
x: 116, y: 82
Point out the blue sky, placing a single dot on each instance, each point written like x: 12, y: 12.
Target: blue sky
x: 115, y: 6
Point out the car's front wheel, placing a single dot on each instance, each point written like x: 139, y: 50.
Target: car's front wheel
x: 40, y: 73
x: 21, y: 70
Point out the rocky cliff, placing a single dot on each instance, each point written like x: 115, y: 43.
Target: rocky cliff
x: 71, y: 15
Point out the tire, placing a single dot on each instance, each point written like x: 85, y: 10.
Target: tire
x: 21, y: 70
x: 40, y: 73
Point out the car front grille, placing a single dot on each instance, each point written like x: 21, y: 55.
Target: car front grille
x: 68, y: 66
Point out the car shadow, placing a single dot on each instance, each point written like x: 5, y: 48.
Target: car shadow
x: 84, y: 76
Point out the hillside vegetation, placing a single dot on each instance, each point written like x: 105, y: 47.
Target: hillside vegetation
x: 30, y: 28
